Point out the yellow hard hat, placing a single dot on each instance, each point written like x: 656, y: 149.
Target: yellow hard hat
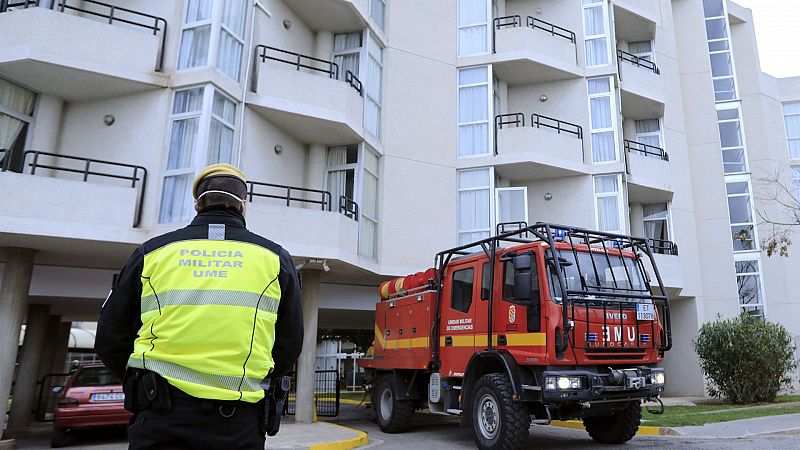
x: 217, y: 170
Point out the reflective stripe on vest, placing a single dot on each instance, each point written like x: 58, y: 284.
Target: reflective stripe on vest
x: 209, y: 308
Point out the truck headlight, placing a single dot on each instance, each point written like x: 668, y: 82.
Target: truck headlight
x: 563, y: 383
x: 658, y: 378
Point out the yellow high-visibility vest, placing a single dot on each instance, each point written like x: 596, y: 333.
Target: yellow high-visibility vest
x: 208, y: 311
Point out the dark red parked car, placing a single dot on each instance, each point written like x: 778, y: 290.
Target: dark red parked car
x: 91, y: 398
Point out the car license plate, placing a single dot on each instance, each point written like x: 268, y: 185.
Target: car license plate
x: 645, y: 311
x: 108, y: 397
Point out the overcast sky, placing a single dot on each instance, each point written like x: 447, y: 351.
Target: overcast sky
x: 777, y: 22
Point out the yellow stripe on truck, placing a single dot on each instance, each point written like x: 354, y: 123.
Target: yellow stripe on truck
x: 512, y: 340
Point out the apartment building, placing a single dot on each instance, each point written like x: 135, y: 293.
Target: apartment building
x: 376, y: 132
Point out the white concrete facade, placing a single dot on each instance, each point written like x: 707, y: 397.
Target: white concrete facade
x: 623, y: 136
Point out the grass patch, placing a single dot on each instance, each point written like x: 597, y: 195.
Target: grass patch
x: 679, y: 416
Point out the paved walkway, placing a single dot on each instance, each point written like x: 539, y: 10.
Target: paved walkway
x: 316, y: 436
x: 744, y: 427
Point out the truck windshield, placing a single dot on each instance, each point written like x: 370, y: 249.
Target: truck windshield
x: 611, y: 274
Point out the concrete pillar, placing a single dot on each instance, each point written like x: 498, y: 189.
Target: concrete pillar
x: 323, y: 45
x: 48, y: 123
x: 49, y: 348
x: 315, y: 174
x: 13, y: 298
x: 25, y: 387
x: 306, y: 364
x: 61, y: 347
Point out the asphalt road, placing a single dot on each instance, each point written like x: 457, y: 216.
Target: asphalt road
x: 429, y: 431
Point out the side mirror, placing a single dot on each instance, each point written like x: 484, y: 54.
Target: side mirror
x: 526, y: 287
x: 57, y: 389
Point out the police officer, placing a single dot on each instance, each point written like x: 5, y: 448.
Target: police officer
x: 197, y: 320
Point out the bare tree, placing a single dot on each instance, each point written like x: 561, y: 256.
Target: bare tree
x: 777, y: 197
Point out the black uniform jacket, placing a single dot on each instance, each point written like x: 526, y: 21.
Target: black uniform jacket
x: 120, y: 317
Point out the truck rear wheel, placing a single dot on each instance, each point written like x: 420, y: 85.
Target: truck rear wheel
x: 617, y: 428
x: 394, y: 416
x: 498, y: 422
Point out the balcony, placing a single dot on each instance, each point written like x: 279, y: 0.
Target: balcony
x: 546, y: 148
x: 537, y: 51
x: 71, y: 197
x: 670, y: 269
x: 49, y: 51
x: 304, y: 96
x: 310, y: 224
x: 650, y: 174
x: 641, y: 84
x: 337, y: 16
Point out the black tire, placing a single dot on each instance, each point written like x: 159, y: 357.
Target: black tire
x: 60, y: 438
x: 617, y: 428
x: 498, y: 422
x: 393, y: 415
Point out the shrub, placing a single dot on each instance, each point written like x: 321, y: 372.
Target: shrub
x: 746, y: 359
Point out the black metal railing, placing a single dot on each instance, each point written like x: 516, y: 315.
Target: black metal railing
x: 290, y: 194
x: 531, y: 22
x: 663, y: 247
x: 113, y: 14
x: 348, y: 207
x: 637, y: 61
x: 351, y: 79
x: 87, y: 168
x: 646, y: 149
x: 47, y: 400
x: 538, y: 121
x: 327, y: 394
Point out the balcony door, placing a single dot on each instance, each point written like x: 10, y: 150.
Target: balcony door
x: 511, y: 205
x: 16, y: 114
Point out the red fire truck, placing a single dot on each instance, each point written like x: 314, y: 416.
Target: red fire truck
x: 540, y: 323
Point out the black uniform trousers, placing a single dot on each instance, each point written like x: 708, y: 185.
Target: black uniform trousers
x: 198, y: 424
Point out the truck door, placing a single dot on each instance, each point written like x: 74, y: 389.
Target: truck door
x: 457, y: 336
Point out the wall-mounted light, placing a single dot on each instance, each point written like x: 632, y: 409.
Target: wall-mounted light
x: 109, y: 120
x: 278, y: 149
x: 539, y: 10
x: 287, y: 23
x: 548, y: 196
x: 542, y: 98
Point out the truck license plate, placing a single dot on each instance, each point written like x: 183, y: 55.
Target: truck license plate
x: 645, y: 311
x: 108, y: 397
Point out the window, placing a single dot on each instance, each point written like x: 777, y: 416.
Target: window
x: 16, y: 115
x: 486, y: 282
x: 595, y: 30
x: 373, y: 88
x: 642, y: 49
x: 655, y: 218
x: 608, y: 200
x: 719, y: 50
x: 748, y: 284
x: 791, y: 119
x: 202, y: 130
x: 473, y: 27
x: 648, y: 132
x: 377, y: 10
x: 796, y: 183
x: 369, y: 207
x: 508, y: 281
x: 603, y: 124
x: 512, y: 205
x: 461, y: 298
x: 740, y: 211
x: 347, y: 53
x: 208, y: 23
x: 734, y: 158
x: 474, y: 204
x: 473, y: 111
x: 342, y: 165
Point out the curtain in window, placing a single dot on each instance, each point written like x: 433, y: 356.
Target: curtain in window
x: 473, y: 204
x: 796, y: 182
x: 607, y: 193
x: 220, y: 143
x: 347, y: 61
x: 18, y: 99
x: 197, y: 10
x: 596, y: 54
x: 655, y: 221
x: 648, y: 132
x: 176, y: 204
x: 642, y: 49
x: 599, y: 85
x: 369, y: 206
x: 194, y: 47
x: 181, y: 145
x: 233, y: 16
x: 791, y: 119
x: 229, y: 59
x: 373, y: 87
x: 472, y: 27
x: 594, y: 25
x: 377, y: 12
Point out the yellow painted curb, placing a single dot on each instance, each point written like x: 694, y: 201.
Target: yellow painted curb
x: 644, y: 430
x: 351, y: 402
x: 345, y: 444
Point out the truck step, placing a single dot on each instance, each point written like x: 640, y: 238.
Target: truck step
x: 454, y: 411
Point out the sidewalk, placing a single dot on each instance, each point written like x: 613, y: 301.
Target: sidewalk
x: 743, y: 427
x: 316, y: 436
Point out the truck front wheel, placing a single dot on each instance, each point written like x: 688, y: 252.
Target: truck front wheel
x: 498, y: 422
x: 394, y: 416
x: 617, y: 428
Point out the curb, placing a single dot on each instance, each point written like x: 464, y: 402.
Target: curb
x: 644, y: 430
x: 7, y: 444
x: 344, y: 444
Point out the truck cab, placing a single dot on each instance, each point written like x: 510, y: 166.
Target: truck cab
x: 545, y: 322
